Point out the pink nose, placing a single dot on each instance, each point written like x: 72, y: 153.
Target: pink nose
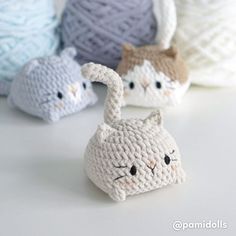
x: 151, y: 164
x: 145, y: 84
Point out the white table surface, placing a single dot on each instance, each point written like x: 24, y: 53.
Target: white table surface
x: 45, y: 192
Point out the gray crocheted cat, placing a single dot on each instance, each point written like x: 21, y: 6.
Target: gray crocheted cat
x: 128, y: 157
x: 52, y: 87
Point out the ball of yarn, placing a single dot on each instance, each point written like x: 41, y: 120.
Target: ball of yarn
x: 206, y: 34
x: 98, y: 28
x: 27, y: 30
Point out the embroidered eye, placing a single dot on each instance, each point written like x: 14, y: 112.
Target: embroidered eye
x: 131, y: 85
x: 84, y: 85
x: 158, y: 84
x: 59, y: 95
x: 167, y: 160
x: 133, y: 170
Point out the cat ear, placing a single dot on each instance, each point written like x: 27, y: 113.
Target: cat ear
x: 154, y: 118
x: 103, y: 131
x: 68, y: 52
x: 172, y: 52
x: 31, y: 66
x: 180, y: 176
x: 127, y: 49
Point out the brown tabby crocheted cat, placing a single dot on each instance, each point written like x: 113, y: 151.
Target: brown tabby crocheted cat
x: 152, y: 77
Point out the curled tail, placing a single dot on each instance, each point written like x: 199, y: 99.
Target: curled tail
x: 165, y: 11
x: 109, y: 77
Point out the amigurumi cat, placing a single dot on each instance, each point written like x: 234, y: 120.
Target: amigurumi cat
x: 132, y: 156
x: 152, y: 77
x: 52, y: 87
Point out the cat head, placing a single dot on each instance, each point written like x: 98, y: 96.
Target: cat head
x: 133, y: 156
x: 152, y: 77
x: 52, y: 87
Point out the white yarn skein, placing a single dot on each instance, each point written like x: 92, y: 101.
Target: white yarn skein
x: 165, y: 13
x: 205, y: 34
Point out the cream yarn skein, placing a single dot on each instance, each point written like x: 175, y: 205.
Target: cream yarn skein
x: 205, y: 34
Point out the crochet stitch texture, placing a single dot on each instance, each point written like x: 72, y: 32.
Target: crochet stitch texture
x: 52, y: 87
x: 206, y: 37
x: 153, y: 77
x: 129, y: 156
x: 165, y: 13
x: 28, y: 29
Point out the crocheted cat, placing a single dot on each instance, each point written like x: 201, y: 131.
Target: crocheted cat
x: 52, y: 87
x: 128, y: 157
x: 152, y: 77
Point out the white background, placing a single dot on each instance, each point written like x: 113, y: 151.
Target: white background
x: 45, y: 192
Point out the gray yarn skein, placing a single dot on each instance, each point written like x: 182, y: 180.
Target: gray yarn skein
x: 98, y: 28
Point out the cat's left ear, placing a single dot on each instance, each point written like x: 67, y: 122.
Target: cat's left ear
x: 127, y: 50
x: 172, y: 52
x: 154, y: 118
x: 103, y: 131
x: 69, y: 52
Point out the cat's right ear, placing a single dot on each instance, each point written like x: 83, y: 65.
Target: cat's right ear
x: 103, y: 131
x: 154, y: 118
x: 31, y: 66
x: 69, y: 52
x: 127, y: 49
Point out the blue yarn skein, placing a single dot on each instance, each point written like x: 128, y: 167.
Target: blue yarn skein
x: 98, y: 28
x: 27, y: 30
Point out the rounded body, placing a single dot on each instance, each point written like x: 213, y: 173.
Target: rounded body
x: 131, y: 157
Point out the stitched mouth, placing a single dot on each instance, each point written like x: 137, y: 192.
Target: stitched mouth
x: 145, y: 88
x: 152, y: 168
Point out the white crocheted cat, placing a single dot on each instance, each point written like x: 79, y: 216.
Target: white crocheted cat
x: 128, y: 157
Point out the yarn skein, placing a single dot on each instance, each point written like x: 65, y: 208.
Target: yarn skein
x: 206, y: 35
x: 27, y: 30
x: 165, y: 12
x: 99, y: 28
